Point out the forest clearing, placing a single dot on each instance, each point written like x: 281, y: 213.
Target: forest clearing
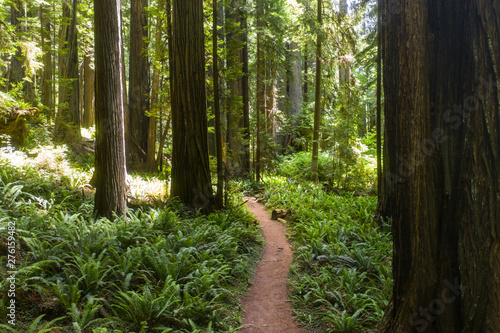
x: 249, y: 166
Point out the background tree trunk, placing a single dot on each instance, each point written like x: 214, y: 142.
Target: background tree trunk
x: 190, y: 165
x: 137, y: 131
x: 317, y: 103
x: 379, y: 108
x: 124, y: 84
x: 89, y: 93
x: 260, y: 89
x: 47, y: 77
x: 17, y: 72
x: 442, y: 164
x: 295, y: 92
x: 306, y: 75
x: 110, y: 170
x: 68, y: 116
x: 236, y: 117
x: 151, y: 165
x: 218, y: 128
x: 245, y: 124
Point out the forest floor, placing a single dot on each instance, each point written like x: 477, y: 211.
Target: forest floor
x: 266, y: 306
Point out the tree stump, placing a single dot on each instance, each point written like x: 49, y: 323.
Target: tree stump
x: 13, y: 123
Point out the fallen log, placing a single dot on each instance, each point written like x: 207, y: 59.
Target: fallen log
x: 280, y: 213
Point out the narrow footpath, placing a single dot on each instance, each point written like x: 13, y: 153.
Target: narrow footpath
x: 266, y: 306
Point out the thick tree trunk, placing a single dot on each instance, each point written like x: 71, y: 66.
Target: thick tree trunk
x: 295, y: 92
x: 68, y: 116
x: 137, y: 131
x: 295, y: 84
x: 317, y: 103
x: 89, y: 93
x: 190, y: 165
x: 442, y: 164
x: 110, y: 173
x: 237, y: 118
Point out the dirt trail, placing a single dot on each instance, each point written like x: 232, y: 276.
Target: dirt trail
x: 266, y: 307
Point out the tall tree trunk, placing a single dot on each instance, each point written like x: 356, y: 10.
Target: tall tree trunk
x: 317, y: 102
x: 47, y: 77
x: 89, y: 93
x: 137, y: 131
x: 236, y: 121
x: 218, y: 128
x: 110, y: 172
x: 159, y: 159
x: 68, y: 116
x: 295, y: 93
x: 190, y: 164
x: 81, y: 92
x: 151, y: 165
x: 17, y: 72
x: 442, y: 164
x: 379, y: 106
x: 270, y: 98
x: 245, y: 121
x: 124, y: 84
x: 238, y: 149
x: 344, y: 67
x: 261, y: 89
x: 306, y: 75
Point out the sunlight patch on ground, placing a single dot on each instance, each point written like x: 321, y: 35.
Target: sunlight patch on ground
x: 146, y: 188
x: 49, y: 160
x: 52, y: 160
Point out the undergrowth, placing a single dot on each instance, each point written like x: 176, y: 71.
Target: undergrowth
x: 158, y: 270
x: 341, y: 277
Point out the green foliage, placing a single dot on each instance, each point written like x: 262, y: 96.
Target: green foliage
x: 35, y: 327
x: 341, y: 274
x: 359, y: 173
x: 152, y: 272
x: 298, y: 166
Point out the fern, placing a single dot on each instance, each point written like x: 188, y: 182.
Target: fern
x: 35, y: 326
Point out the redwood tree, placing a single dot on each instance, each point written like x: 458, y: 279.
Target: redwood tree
x: 260, y: 88
x: 317, y: 102
x: 138, y: 125
x: 190, y: 164
x: 47, y: 77
x: 442, y: 163
x: 68, y: 115
x: 238, y: 150
x: 17, y: 72
x: 110, y: 173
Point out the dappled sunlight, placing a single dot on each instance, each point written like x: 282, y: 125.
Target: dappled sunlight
x: 146, y: 189
x: 49, y: 161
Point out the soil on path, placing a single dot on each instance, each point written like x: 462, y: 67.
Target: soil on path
x: 266, y: 307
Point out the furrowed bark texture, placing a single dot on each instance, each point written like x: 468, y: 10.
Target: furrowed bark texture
x: 110, y: 169
x: 68, y: 116
x: 190, y: 165
x: 441, y: 63
x: 137, y: 131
